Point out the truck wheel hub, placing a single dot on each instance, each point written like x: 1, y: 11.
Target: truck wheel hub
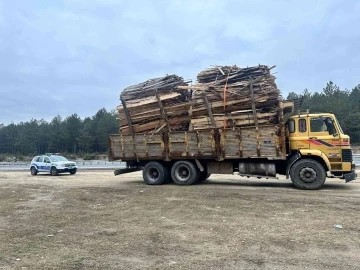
x: 154, y: 173
x: 308, y: 175
x: 183, y: 173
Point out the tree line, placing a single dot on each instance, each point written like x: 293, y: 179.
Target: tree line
x: 89, y: 135
x: 69, y: 135
x: 345, y: 104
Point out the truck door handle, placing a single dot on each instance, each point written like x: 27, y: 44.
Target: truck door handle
x: 313, y: 138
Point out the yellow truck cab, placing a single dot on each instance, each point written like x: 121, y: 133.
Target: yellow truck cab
x: 319, y: 139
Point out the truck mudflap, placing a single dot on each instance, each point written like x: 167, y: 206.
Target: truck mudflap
x: 350, y: 176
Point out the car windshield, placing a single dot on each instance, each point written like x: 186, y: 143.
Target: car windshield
x: 58, y: 158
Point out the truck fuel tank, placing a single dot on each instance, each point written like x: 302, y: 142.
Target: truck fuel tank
x: 258, y: 169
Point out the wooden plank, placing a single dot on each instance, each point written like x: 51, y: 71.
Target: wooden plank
x: 209, y: 111
x: 243, y: 116
x: 253, y: 103
x: 244, y: 103
x: 162, y: 110
x: 151, y: 126
x: 255, y: 117
x: 282, y: 143
x: 131, y: 130
x: 149, y: 100
x: 240, y: 142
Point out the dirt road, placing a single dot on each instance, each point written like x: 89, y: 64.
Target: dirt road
x: 94, y: 220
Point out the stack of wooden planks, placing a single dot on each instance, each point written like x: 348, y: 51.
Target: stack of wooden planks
x: 224, y: 97
x: 155, y: 105
x: 232, y: 94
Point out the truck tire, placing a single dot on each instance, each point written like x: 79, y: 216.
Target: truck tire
x: 308, y: 174
x: 203, y: 176
x: 184, y: 173
x: 154, y: 173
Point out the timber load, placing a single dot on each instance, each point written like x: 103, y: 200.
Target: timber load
x: 155, y: 106
x: 226, y: 97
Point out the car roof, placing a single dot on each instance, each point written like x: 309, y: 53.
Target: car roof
x: 52, y: 154
x: 48, y: 155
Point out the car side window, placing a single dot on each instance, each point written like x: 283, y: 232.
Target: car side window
x: 39, y: 159
x: 47, y: 160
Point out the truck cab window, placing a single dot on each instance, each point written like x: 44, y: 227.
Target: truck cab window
x: 302, y: 125
x: 321, y: 124
x: 291, y: 126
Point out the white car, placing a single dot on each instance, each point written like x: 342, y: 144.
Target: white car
x: 53, y: 164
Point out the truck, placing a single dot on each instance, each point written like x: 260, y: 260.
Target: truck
x: 229, y: 131
x: 306, y: 148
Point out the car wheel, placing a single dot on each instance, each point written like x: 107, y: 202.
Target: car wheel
x: 33, y: 171
x: 54, y: 171
x: 73, y: 171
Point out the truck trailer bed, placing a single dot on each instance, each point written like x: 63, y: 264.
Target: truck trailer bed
x: 266, y: 141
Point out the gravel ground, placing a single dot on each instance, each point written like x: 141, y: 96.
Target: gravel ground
x: 94, y: 220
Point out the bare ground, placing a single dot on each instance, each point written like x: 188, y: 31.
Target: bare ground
x: 94, y: 220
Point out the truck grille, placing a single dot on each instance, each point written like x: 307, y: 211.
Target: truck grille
x: 347, y: 155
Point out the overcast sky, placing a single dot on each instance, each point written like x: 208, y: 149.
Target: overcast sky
x: 76, y: 56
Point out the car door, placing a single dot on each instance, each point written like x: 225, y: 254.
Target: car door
x: 47, y: 164
x: 40, y: 164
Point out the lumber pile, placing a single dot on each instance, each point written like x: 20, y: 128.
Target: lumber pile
x: 231, y: 92
x: 155, y: 105
x: 224, y: 97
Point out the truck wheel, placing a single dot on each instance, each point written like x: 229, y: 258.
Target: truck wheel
x: 184, y: 173
x: 203, y: 176
x: 33, y: 171
x: 154, y: 173
x: 54, y: 171
x: 308, y: 174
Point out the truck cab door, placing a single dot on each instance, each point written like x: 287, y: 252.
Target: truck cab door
x: 298, y: 133
x: 324, y: 136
